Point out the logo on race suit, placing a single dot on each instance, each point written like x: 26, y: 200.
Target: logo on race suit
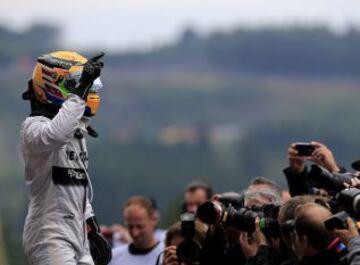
x: 76, y: 174
x: 69, y: 176
x: 72, y: 156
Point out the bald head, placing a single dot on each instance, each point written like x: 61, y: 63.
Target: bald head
x: 309, y: 224
x: 314, y: 212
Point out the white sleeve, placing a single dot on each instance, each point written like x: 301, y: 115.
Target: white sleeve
x: 89, y: 212
x: 47, y: 135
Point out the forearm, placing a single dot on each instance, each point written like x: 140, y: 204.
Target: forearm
x: 353, y: 255
x: 41, y: 134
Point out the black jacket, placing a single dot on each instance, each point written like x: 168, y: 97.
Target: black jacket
x: 326, y: 258
x: 298, y: 183
x: 266, y: 256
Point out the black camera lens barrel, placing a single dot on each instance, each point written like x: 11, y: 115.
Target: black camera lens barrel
x: 209, y: 212
x: 242, y: 219
x: 349, y: 199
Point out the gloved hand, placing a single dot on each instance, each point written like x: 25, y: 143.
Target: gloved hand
x: 100, y: 249
x: 91, y: 71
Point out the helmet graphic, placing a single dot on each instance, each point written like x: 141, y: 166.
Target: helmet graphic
x: 56, y: 74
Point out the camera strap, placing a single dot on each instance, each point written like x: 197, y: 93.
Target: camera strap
x: 159, y: 257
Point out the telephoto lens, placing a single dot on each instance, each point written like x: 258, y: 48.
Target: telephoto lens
x: 349, y: 200
x: 215, y: 212
x: 209, y: 212
x: 242, y: 219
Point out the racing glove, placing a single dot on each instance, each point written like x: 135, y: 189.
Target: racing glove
x: 91, y: 71
x: 100, y: 248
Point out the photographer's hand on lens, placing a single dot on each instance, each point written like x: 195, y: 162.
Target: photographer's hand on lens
x: 296, y: 163
x: 170, y: 257
x: 346, y: 234
x: 324, y: 157
x: 251, y: 244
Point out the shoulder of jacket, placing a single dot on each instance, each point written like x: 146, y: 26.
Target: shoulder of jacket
x: 33, y: 120
x: 36, y: 119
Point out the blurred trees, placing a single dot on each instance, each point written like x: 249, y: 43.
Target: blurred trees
x: 31, y: 43
x: 293, y: 50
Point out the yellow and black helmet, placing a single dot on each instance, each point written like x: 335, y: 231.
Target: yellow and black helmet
x: 56, y: 74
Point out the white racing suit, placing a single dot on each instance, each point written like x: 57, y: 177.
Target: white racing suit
x: 56, y: 174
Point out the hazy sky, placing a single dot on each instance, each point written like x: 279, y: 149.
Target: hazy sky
x: 128, y: 24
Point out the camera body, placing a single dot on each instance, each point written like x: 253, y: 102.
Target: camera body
x: 345, y: 203
x: 188, y: 251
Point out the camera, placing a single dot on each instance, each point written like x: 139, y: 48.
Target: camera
x: 333, y: 182
x: 337, y: 221
x: 349, y: 201
x: 188, y: 251
x: 304, y: 149
x: 242, y: 219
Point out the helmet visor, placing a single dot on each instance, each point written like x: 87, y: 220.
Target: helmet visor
x: 75, y: 78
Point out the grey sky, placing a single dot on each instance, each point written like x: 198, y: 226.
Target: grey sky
x: 128, y: 24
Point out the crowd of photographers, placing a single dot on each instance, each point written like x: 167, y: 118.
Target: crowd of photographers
x: 314, y: 222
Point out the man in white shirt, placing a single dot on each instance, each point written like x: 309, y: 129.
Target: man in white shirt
x: 141, y: 219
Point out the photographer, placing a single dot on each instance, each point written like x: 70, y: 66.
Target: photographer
x: 255, y: 246
x: 286, y: 219
x: 222, y: 244
x: 228, y: 217
x: 196, y: 193
x: 313, y: 243
x: 175, y: 237
x: 262, y: 247
x: 297, y: 173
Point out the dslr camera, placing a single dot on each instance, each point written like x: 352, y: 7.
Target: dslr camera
x: 345, y: 203
x: 188, y: 251
x: 242, y: 218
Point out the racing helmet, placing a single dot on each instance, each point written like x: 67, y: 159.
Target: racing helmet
x: 56, y: 74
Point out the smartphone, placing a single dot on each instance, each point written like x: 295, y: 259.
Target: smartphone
x: 304, y: 149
